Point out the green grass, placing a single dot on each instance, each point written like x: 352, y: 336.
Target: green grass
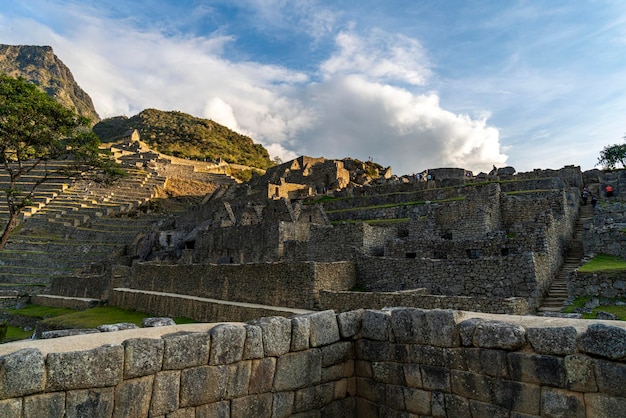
x: 603, y: 263
x: 68, y: 318
x: 92, y: 318
x: 580, y: 302
x: 527, y: 191
x: 15, y: 334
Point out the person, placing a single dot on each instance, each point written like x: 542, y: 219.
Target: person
x: 594, y: 201
x: 609, y: 190
x: 585, y: 195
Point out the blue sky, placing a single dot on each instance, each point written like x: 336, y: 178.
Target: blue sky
x: 410, y: 84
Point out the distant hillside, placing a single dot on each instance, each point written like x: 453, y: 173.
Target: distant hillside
x: 186, y: 136
x: 39, y: 65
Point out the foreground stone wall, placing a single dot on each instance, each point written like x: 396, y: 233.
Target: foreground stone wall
x: 364, y: 363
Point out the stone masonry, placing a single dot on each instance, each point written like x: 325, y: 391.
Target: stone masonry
x: 364, y: 363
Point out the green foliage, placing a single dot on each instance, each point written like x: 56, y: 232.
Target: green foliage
x: 39, y: 65
x: 32, y: 124
x: 243, y: 175
x: 603, y: 262
x: 185, y: 136
x: 613, y: 155
x: 35, y: 128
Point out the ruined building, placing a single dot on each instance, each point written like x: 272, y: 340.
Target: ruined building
x: 493, y: 245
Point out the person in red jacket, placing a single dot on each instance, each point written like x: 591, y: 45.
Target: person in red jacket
x: 609, y: 190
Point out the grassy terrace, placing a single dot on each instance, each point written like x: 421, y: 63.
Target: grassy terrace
x: 604, y: 263
x: 327, y: 198
x: 517, y: 192
x: 393, y: 205
x: 62, y: 318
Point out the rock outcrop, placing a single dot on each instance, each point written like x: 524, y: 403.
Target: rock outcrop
x: 39, y: 65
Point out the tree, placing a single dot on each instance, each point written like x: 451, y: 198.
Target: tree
x: 612, y: 155
x: 35, y: 129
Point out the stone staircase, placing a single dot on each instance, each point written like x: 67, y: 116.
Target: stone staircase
x: 557, y: 294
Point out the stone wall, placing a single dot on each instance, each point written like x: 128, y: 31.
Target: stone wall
x: 607, y: 233
x: 492, y: 245
x: 493, y: 277
x: 288, y: 190
x: 341, y: 301
x: 570, y: 175
x: 197, y: 308
x: 289, y: 284
x: 247, y: 244
x: 365, y: 363
x: 601, y: 284
x: 473, y: 217
x: 87, y: 286
x: 340, y: 242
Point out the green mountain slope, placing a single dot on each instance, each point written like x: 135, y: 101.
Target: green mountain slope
x: 182, y: 135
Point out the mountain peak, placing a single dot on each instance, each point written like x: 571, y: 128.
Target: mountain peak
x: 39, y: 65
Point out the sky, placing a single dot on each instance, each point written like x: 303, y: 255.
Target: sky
x: 411, y: 84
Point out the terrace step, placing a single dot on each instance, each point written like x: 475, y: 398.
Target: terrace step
x: 70, y: 209
x: 197, y: 308
x: 55, y: 301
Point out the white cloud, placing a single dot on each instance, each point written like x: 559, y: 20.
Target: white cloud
x: 358, y: 108
x: 221, y: 112
x: 307, y: 16
x: 362, y: 119
x: 387, y: 57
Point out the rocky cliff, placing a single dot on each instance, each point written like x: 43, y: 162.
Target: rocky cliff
x: 39, y: 64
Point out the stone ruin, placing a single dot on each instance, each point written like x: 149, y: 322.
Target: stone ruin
x: 283, y: 264
x: 351, y: 233
x: 492, y: 244
x: 366, y: 363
